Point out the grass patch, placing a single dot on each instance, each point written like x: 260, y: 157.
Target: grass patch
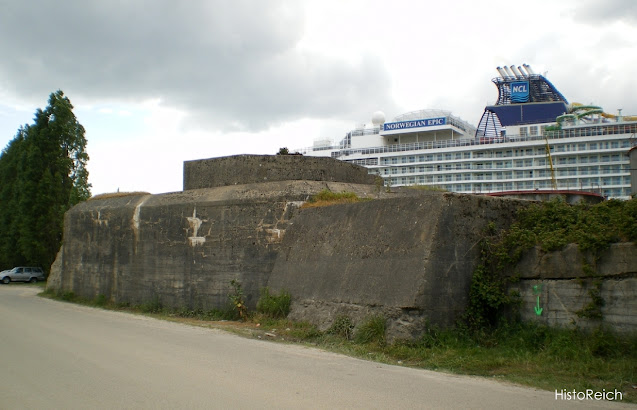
x: 327, y: 198
x: 273, y: 305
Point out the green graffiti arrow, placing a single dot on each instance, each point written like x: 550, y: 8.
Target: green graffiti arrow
x: 537, y: 289
x: 538, y: 309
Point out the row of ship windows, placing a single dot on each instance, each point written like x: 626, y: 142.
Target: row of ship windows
x: 425, y: 179
x: 594, y: 186
x: 506, y: 154
x: 509, y: 164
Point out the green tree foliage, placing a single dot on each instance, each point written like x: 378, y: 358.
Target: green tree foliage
x: 42, y: 174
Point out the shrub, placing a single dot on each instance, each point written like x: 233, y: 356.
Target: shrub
x: 372, y: 330
x: 152, y: 306
x: 342, y: 326
x: 236, y: 297
x: 276, y: 306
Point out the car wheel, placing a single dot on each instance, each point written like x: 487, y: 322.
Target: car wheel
x: 33, y: 280
x: 6, y: 280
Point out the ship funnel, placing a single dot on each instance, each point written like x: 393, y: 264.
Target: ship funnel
x: 516, y: 72
x: 503, y: 73
x: 524, y: 74
x: 508, y: 70
x: 528, y: 69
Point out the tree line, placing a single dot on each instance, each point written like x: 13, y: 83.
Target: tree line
x: 42, y: 174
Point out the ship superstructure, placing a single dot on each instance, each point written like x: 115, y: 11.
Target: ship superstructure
x: 530, y: 139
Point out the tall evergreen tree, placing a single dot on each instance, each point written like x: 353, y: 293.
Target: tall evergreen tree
x: 43, y: 173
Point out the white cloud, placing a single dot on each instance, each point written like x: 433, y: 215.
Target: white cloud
x: 157, y: 83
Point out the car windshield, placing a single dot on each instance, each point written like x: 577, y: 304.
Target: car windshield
x: 15, y: 270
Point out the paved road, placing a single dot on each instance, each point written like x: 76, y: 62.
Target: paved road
x: 57, y: 355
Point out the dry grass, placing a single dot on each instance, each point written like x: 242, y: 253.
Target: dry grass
x: 328, y: 198
x: 117, y: 195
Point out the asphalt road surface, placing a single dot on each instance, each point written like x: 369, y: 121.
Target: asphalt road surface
x: 57, y: 355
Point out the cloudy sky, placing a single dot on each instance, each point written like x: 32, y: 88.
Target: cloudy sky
x: 159, y: 82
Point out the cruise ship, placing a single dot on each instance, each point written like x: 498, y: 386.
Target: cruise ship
x: 531, y: 139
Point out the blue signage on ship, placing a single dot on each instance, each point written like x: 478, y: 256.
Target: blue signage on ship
x: 520, y: 92
x: 431, y: 122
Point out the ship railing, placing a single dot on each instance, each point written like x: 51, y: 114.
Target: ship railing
x: 611, y: 129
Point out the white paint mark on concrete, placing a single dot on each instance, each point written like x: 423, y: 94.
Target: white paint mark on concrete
x: 195, y: 224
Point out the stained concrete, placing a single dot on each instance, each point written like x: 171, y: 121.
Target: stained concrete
x: 560, y: 285
x: 407, y: 259
x: 248, y: 169
x: 181, y: 249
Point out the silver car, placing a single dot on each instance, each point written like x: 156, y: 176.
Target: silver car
x: 22, y: 274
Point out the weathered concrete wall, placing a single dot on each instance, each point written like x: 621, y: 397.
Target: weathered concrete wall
x: 409, y: 255
x: 557, y: 286
x: 247, y: 169
x: 180, y: 248
x: 408, y: 259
